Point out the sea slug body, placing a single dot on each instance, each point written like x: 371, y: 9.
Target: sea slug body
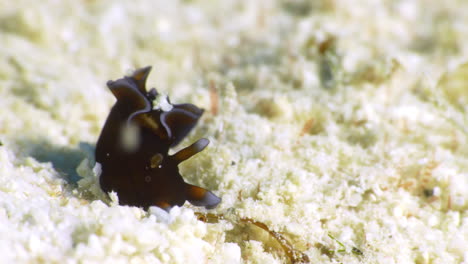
x: 134, y: 143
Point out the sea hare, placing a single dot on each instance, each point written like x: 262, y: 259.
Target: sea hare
x: 134, y: 143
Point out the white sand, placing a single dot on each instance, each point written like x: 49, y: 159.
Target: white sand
x: 364, y: 140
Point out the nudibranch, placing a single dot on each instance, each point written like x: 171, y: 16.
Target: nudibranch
x: 134, y: 143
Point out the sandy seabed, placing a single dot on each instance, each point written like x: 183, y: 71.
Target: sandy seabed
x: 341, y: 125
